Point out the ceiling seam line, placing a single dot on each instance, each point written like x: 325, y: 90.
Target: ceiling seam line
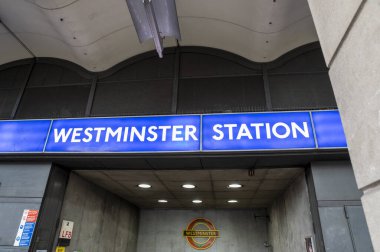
x: 347, y: 32
x: 117, y: 182
x: 169, y: 191
x: 247, y: 28
x: 18, y: 39
x: 51, y: 9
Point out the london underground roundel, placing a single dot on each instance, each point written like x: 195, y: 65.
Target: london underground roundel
x: 201, y: 234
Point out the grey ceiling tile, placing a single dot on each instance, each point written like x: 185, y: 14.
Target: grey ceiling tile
x: 169, y: 205
x: 91, y: 175
x: 125, y: 163
x: 260, y: 173
x: 192, y: 195
x: 153, y: 203
x: 274, y: 184
x: 232, y: 206
x: 206, y: 203
x: 152, y: 194
x: 175, y: 163
x: 234, y: 195
x: 233, y: 174
x: 267, y: 194
x: 247, y: 185
x: 228, y: 162
x: 256, y: 191
x: 124, y: 193
x: 184, y: 175
x: 133, y: 185
x: 132, y: 175
x: 283, y: 173
x: 240, y: 202
x: 177, y: 186
x: 81, y: 163
x: 108, y: 184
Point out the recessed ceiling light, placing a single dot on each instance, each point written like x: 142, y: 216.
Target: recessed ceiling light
x: 145, y: 186
x: 234, y: 186
x: 232, y: 201
x: 188, y: 186
x: 197, y: 201
x: 162, y: 201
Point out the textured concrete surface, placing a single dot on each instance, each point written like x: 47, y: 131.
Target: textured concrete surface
x: 240, y: 230
x: 331, y: 19
x: 290, y: 218
x: 355, y: 79
x: 102, y: 220
x: 371, y: 205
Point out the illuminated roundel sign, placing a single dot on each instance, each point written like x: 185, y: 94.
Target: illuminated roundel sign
x: 201, y: 234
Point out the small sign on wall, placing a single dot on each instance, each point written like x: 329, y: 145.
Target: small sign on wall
x: 309, y: 244
x: 26, y: 228
x: 60, y: 249
x: 66, y: 230
x: 201, y: 234
x: 66, y: 233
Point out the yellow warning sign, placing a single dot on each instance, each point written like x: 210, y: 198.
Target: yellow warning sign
x: 60, y: 249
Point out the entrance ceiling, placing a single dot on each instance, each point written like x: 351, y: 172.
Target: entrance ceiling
x: 98, y: 34
x: 258, y: 190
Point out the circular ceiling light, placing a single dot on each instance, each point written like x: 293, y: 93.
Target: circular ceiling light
x: 144, y: 186
x: 188, y: 186
x: 197, y: 201
x: 233, y: 186
x: 162, y: 201
x: 232, y: 201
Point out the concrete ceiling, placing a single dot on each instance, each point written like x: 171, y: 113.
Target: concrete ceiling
x: 98, y: 34
x: 258, y: 190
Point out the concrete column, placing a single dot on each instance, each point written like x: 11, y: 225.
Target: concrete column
x: 349, y: 32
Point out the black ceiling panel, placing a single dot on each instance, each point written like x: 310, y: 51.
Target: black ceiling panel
x: 211, y: 95
x: 200, y: 65
x: 133, y: 98
x: 54, y: 102
x: 301, y: 92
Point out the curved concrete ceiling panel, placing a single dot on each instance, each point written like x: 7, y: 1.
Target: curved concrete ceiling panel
x: 98, y: 34
x: 254, y: 46
x: 10, y: 49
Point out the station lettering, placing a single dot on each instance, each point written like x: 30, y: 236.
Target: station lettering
x: 174, y: 133
x: 258, y: 131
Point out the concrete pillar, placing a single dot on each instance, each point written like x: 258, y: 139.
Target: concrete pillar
x: 349, y: 33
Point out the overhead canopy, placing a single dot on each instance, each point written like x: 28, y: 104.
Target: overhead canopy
x: 98, y: 34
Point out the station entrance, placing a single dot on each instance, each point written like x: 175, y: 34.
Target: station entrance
x: 289, y: 208
x: 154, y: 207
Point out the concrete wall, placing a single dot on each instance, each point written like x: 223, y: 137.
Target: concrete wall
x: 290, y: 218
x: 22, y: 186
x: 240, y: 230
x: 350, y: 38
x: 102, y: 221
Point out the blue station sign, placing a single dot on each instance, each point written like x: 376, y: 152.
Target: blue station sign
x: 176, y: 133
x: 261, y: 131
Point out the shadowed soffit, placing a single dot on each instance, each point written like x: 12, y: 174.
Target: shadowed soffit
x: 98, y: 34
x: 258, y: 189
